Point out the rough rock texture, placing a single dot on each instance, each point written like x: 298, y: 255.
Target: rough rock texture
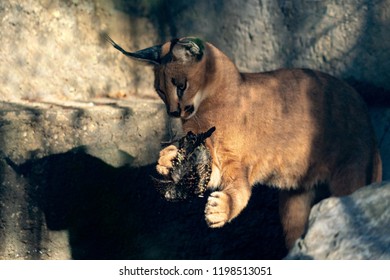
x: 53, y: 50
x: 60, y: 41
x: 353, y: 227
x: 118, y: 132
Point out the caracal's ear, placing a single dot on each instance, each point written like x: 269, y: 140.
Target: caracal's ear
x: 188, y: 50
x: 151, y: 55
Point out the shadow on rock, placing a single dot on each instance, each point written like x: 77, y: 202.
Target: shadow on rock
x: 373, y: 95
x: 116, y: 213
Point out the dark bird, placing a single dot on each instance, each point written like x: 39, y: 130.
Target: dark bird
x: 191, y: 169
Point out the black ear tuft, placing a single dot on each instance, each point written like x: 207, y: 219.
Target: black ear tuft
x: 188, y: 49
x: 151, y: 55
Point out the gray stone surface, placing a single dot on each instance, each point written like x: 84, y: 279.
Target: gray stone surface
x: 60, y: 41
x: 118, y: 132
x: 53, y: 50
x: 355, y: 227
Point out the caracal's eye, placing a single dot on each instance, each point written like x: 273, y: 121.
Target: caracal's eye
x: 180, y: 87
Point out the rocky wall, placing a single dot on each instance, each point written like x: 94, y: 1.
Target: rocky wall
x: 60, y: 41
x: 53, y: 50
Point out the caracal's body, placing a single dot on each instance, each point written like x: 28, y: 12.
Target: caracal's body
x: 299, y: 130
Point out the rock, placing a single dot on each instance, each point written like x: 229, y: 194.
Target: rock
x: 353, y: 227
x: 118, y: 132
x: 60, y: 41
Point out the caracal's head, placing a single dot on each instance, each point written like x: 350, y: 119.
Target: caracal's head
x: 179, y: 68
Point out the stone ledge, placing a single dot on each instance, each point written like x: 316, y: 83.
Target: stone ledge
x: 118, y: 132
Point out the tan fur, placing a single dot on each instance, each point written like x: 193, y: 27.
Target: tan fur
x: 299, y: 130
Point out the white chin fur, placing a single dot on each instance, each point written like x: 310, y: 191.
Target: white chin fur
x: 196, y: 102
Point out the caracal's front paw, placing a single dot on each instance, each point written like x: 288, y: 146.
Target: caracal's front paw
x: 217, y: 210
x: 165, y: 161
